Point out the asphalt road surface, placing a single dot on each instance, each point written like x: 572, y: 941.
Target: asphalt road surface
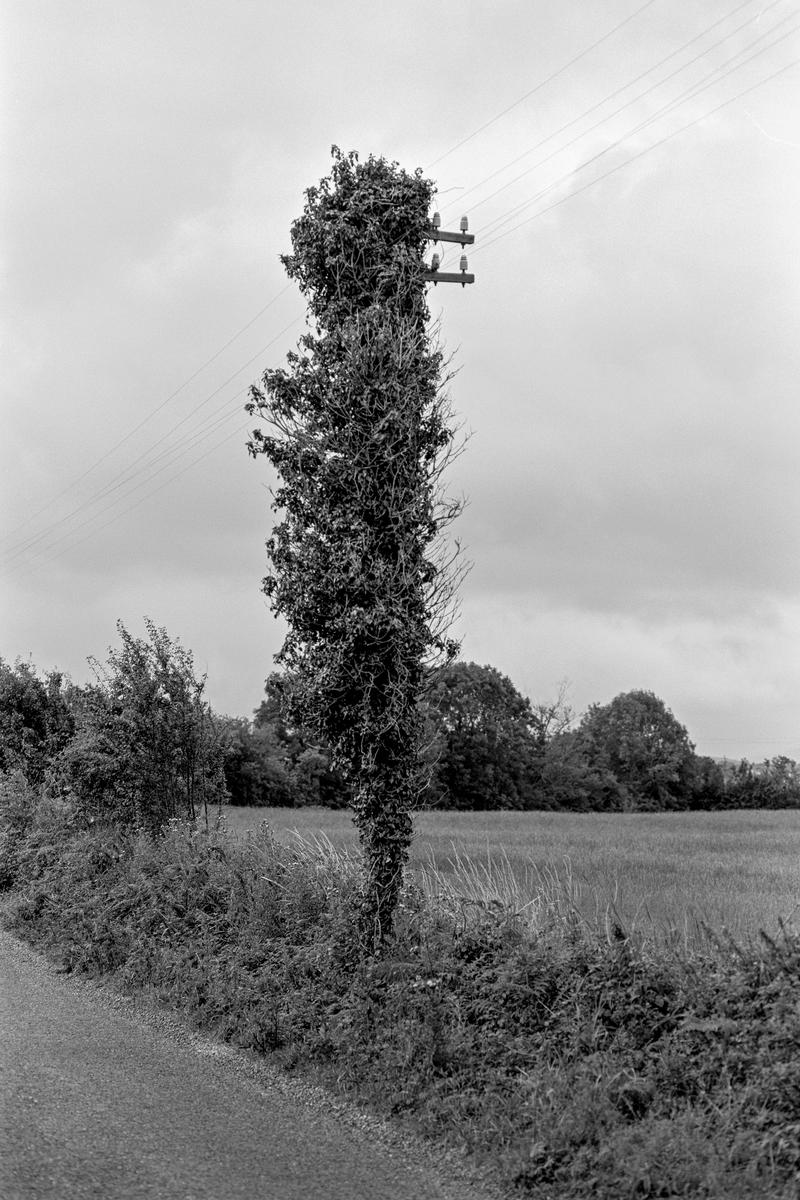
x: 100, y: 1097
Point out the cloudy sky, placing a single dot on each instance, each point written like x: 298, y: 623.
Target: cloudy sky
x: 628, y: 356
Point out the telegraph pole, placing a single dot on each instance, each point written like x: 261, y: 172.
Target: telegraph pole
x: 435, y: 235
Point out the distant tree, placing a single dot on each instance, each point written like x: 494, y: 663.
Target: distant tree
x: 639, y: 741
x: 708, y: 784
x: 554, y: 717
x: 575, y: 779
x: 305, y: 759
x: 783, y: 776
x: 485, y: 745
x: 775, y: 783
x: 360, y: 435
x: 256, y: 771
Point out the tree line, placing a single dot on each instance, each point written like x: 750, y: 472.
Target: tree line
x: 486, y: 746
x: 140, y: 744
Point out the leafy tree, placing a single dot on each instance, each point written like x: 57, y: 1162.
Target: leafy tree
x: 551, y: 718
x: 306, y: 759
x: 782, y: 775
x: 576, y: 781
x: 639, y: 741
x: 486, y: 744
x: 35, y: 719
x: 708, y: 784
x: 360, y: 436
x: 146, y: 748
x: 256, y: 770
x: 775, y: 783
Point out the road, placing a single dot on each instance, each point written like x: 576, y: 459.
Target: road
x: 104, y: 1098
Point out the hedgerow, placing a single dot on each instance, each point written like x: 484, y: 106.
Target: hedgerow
x: 578, y: 1065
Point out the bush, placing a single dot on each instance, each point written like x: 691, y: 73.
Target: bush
x: 35, y: 719
x: 17, y: 803
x: 146, y: 748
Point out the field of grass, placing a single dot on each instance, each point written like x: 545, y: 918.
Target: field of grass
x: 653, y: 872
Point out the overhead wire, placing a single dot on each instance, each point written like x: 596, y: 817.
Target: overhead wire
x: 542, y: 83
x: 647, y: 150
x: 715, y: 75
x: 129, y: 473
x: 119, y: 515
x: 153, y: 412
x: 200, y: 435
x: 150, y: 471
x: 611, y: 96
x: 131, y: 470
x: 691, y: 93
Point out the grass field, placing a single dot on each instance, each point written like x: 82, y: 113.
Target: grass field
x: 659, y: 872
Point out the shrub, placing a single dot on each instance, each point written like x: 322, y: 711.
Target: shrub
x: 17, y: 802
x: 146, y: 748
x: 35, y: 719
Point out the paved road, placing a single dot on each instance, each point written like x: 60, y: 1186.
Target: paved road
x: 99, y: 1099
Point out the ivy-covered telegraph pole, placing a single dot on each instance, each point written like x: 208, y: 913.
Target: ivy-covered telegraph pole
x: 360, y: 433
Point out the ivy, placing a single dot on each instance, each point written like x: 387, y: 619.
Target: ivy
x: 360, y: 433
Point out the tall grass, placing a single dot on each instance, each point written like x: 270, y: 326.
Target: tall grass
x: 664, y: 875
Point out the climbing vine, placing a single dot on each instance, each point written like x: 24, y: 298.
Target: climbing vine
x: 360, y: 432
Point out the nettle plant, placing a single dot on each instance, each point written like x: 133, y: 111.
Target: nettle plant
x: 360, y: 435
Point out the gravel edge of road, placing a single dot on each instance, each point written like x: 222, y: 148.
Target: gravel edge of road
x: 457, y: 1178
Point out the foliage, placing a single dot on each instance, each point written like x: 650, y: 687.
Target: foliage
x: 485, y: 745
x: 645, y: 748
x: 574, y: 781
x: 578, y: 1065
x: 306, y: 759
x: 255, y: 766
x: 775, y: 783
x: 360, y: 436
x: 17, y: 803
x: 146, y: 748
x: 35, y: 719
x: 708, y: 783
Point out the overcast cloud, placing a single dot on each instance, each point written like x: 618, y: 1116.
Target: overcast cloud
x: 628, y: 359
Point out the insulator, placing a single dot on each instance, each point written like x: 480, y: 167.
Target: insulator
x: 464, y: 225
x: 464, y: 264
x: 437, y: 221
x: 435, y: 262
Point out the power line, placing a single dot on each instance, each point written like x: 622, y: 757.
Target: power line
x: 612, y: 95
x: 30, y: 568
x: 130, y: 471
x: 635, y: 157
x: 176, y: 452
x: 543, y: 83
x: 107, y: 453
x: 714, y: 76
x: 169, y: 456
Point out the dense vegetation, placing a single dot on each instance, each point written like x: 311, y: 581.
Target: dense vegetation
x: 487, y: 747
x: 138, y: 745
x: 142, y: 738
x: 576, y: 1065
